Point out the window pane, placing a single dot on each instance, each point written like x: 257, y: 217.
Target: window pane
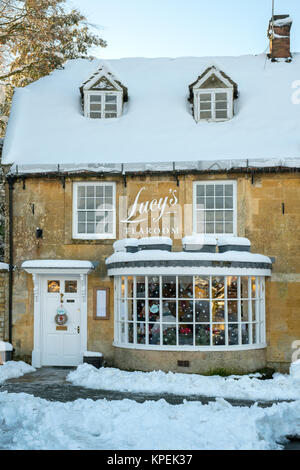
x: 202, y: 335
x: 140, y: 310
x: 70, y: 286
x: 205, y: 115
x: 185, y: 335
x: 95, y: 107
x: 202, y: 311
x: 201, y: 287
x: 169, y: 335
x: 185, y: 286
x: 245, y: 333
x: 111, y: 98
x: 218, y: 335
x: 205, y: 105
x: 232, y: 311
x: 218, y: 287
x: 244, y: 310
x: 95, y: 98
x: 110, y: 107
x: 185, y: 311
x: 205, y: 97
x: 200, y: 190
x: 218, y: 311
x: 228, y: 202
x: 110, y: 115
x: 154, y: 310
x: 221, y: 96
x: 221, y: 114
x: 95, y: 115
x: 140, y: 286
x: 221, y: 105
x: 153, y: 286
x: 244, y: 287
x: 141, y: 333
x: 233, y: 334
x: 210, y: 190
x: 232, y: 287
x: 169, y: 286
x: 154, y: 333
x: 169, y: 311
x: 219, y: 188
x: 53, y: 286
x: 228, y: 190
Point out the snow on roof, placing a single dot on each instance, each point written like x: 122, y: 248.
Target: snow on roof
x: 47, y: 125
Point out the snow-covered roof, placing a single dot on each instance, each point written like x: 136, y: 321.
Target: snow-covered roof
x: 47, y: 125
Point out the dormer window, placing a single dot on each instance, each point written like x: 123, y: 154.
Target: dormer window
x: 212, y: 96
x: 104, y: 105
x: 103, y: 95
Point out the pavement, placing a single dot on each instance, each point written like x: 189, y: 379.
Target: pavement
x: 50, y: 383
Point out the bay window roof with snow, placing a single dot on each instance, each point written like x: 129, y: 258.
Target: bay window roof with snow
x: 47, y: 125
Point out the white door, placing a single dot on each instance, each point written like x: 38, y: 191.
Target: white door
x: 61, y: 342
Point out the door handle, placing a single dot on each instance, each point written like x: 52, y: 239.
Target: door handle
x: 78, y: 329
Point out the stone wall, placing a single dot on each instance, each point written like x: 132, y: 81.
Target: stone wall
x: 273, y: 231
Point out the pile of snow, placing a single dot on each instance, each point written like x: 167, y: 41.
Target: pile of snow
x: 4, y: 346
x: 27, y: 422
x: 120, y: 245
x: 246, y: 387
x: 155, y: 241
x: 201, y: 239
x: 237, y: 241
x: 13, y: 370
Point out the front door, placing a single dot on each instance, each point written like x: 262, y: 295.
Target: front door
x: 61, y: 321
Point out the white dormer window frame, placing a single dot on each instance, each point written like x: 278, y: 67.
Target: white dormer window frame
x: 215, y: 100
x: 105, y: 103
x: 210, y: 104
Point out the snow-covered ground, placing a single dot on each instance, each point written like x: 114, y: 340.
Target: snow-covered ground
x: 247, y: 387
x: 14, y: 369
x: 27, y: 422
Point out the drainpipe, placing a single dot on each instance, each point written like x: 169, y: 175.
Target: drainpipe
x: 11, y: 266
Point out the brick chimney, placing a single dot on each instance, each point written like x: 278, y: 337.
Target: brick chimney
x: 279, y: 35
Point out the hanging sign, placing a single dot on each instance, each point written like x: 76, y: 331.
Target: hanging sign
x: 61, y: 316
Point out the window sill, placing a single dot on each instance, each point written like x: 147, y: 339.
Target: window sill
x: 150, y: 347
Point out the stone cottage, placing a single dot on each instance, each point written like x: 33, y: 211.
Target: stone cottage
x: 153, y: 212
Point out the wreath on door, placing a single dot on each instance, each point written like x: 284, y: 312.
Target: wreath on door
x: 61, y: 317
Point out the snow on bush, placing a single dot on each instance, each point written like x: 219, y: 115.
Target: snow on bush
x: 249, y: 387
x: 13, y: 369
x: 27, y: 422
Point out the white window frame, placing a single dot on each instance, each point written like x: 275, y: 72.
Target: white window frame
x: 234, y: 192
x: 93, y: 236
x: 103, y: 94
x: 256, y: 318
x: 212, y: 92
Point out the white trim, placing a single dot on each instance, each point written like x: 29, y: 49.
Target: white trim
x: 119, y: 103
x: 91, y: 236
x: 38, y: 280
x: 190, y: 348
x: 212, y: 92
x: 225, y: 182
x: 97, y: 76
x: 215, y: 271
x: 212, y: 71
x: 122, y: 323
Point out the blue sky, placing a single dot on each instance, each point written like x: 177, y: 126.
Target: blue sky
x: 174, y: 28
